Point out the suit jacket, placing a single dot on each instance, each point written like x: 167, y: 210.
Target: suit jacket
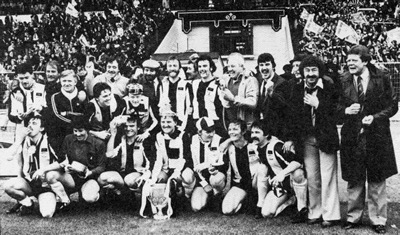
x: 325, y: 130
x: 371, y: 154
x: 273, y: 108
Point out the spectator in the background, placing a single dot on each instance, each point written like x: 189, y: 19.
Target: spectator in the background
x: 287, y: 72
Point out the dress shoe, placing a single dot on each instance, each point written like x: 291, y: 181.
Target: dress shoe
x: 314, y: 221
x: 14, y: 209
x: 300, y: 216
x: 379, y: 228
x: 27, y: 210
x: 329, y: 223
x: 350, y: 225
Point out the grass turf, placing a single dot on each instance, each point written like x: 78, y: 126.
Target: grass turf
x: 119, y: 218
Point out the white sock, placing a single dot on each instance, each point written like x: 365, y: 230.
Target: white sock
x: 27, y: 201
x: 59, y: 190
x: 301, y: 194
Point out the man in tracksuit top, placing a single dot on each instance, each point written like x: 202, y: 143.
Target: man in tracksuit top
x: 208, y: 164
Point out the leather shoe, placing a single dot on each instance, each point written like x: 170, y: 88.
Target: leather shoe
x: 350, y: 225
x: 329, y: 223
x: 300, y: 216
x: 258, y: 214
x: 379, y: 228
x: 314, y: 221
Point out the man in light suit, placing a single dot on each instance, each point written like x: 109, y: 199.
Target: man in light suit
x: 366, y: 104
x: 239, y: 93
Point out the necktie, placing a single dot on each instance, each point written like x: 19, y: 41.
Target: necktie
x: 310, y: 91
x: 360, y: 89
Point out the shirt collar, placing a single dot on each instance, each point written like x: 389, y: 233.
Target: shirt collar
x: 320, y: 84
x: 364, y: 75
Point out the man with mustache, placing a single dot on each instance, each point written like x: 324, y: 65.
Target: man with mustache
x: 312, y: 128
x: 239, y: 92
x: 285, y: 175
x: 272, y: 102
x: 367, y: 102
x: 102, y: 109
x: 35, y: 159
x: 176, y: 92
x: 206, y: 92
x: 150, y: 81
x: 112, y: 77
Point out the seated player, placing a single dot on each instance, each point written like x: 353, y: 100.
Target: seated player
x: 84, y: 162
x: 102, y: 109
x: 35, y: 159
x: 285, y: 174
x: 126, y: 161
x: 173, y: 154
x: 138, y: 104
x: 208, y: 164
x: 247, y: 171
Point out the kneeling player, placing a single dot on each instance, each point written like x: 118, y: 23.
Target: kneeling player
x: 85, y: 161
x: 36, y: 158
x: 173, y: 154
x: 208, y: 164
x: 284, y: 172
x: 247, y: 171
x: 126, y: 162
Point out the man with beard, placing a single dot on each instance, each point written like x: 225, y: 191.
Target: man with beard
x: 36, y: 158
x: 176, y: 92
x: 313, y: 130
x: 367, y: 102
x: 206, y: 102
x: 239, y: 92
x: 112, y: 77
x: 102, y: 109
x: 151, y: 83
x: 83, y: 161
x: 28, y: 99
x: 272, y: 102
x: 192, y: 73
x: 285, y: 175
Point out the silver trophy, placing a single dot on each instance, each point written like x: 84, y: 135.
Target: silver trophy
x: 159, y: 198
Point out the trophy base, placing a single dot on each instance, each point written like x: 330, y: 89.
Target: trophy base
x: 160, y: 217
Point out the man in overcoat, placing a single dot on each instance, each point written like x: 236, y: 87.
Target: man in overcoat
x: 366, y: 104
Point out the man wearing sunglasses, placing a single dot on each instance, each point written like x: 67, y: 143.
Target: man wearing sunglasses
x: 286, y: 177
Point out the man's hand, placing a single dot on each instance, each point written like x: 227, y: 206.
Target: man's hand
x: 88, y: 173
x: 113, y: 127
x: 82, y: 96
x: 269, y: 87
x: 367, y: 120
x: 102, y: 134
x: 353, y: 109
x: 278, y: 179
x: 19, y: 96
x: 142, y: 137
x: 38, y: 174
x: 227, y: 94
x: 288, y: 146
x: 311, y: 100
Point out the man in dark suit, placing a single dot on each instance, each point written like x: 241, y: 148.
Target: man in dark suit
x: 366, y: 104
x: 312, y: 128
x: 272, y: 103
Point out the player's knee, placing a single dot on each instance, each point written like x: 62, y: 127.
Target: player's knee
x: 228, y: 208
x: 197, y: 205
x: 298, y: 176
x: 188, y: 176
x: 217, y: 181
x: 52, y: 177
x: 90, y: 197
x: 47, y: 212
